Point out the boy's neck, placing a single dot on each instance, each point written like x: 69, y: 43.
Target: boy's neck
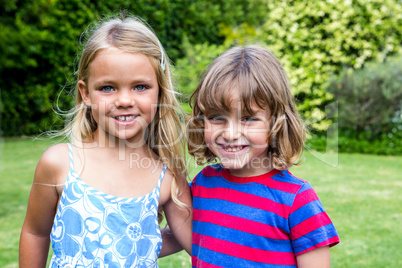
x: 253, y: 178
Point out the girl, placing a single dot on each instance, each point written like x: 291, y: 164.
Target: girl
x: 98, y: 197
x: 249, y: 210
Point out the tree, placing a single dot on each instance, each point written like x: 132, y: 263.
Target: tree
x: 40, y: 42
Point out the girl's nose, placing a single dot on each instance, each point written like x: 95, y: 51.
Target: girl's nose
x: 232, y: 130
x: 124, y: 99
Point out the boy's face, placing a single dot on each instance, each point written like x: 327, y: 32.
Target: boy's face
x: 240, y: 140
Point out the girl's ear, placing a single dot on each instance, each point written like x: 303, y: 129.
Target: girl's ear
x: 82, y: 87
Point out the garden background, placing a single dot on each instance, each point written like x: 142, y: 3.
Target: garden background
x: 343, y: 59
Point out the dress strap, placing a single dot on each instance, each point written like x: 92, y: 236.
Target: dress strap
x: 70, y: 152
x: 162, y: 175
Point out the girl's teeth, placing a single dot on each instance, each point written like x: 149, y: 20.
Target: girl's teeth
x: 233, y: 149
x: 125, y: 118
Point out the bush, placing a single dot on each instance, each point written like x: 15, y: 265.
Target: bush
x: 369, y: 109
x: 316, y: 39
x: 39, y: 45
x: 369, y: 98
x: 388, y: 143
x: 188, y: 69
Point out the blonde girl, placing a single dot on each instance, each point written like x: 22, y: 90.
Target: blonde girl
x: 96, y: 199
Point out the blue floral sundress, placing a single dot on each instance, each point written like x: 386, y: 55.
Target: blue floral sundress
x: 94, y: 229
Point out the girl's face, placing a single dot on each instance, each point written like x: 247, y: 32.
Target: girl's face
x: 122, y: 91
x: 240, y: 140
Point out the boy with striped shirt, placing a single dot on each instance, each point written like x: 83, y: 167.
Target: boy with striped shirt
x: 249, y: 210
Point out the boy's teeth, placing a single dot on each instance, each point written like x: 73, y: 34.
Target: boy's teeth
x: 125, y: 117
x: 234, y: 149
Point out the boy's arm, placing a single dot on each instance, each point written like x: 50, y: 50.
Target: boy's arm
x: 317, y: 258
x: 43, y: 198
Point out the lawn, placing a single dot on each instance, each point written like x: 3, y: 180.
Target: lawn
x: 361, y: 193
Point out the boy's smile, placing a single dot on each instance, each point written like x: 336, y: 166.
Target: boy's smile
x: 240, y: 141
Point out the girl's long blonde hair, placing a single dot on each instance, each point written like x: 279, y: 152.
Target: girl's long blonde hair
x: 258, y: 78
x: 131, y: 34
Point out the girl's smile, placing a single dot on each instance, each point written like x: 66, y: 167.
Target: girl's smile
x: 125, y: 120
x: 122, y: 90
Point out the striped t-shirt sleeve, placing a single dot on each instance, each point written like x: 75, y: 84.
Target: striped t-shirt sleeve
x: 310, y: 226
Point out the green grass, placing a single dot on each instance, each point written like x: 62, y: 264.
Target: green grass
x: 361, y: 193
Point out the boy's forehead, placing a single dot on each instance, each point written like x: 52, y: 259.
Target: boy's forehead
x: 229, y: 95
x: 234, y: 101
x: 235, y: 105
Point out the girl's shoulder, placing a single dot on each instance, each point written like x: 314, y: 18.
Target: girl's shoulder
x: 53, y: 166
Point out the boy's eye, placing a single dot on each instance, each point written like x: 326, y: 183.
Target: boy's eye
x: 216, y: 118
x: 107, y: 89
x: 249, y: 119
x: 140, y: 87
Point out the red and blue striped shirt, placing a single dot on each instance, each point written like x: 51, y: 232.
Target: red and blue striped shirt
x: 261, y: 221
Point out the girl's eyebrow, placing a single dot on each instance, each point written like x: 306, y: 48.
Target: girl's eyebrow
x: 113, y: 82
x: 98, y: 83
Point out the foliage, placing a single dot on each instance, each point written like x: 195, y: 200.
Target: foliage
x: 388, y: 142
x: 189, y: 68
x: 38, y: 49
x: 39, y: 46
x: 369, y: 109
x: 369, y: 98
x: 315, y: 39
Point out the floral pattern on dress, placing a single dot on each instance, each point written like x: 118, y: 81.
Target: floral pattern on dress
x: 94, y: 229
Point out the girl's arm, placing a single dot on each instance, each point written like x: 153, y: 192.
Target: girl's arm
x: 317, y: 258
x: 180, y: 223
x: 42, y: 202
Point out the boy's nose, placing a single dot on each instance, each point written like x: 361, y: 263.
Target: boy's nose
x: 232, y: 130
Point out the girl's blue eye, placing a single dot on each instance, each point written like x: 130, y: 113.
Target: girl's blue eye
x: 107, y: 89
x: 140, y: 87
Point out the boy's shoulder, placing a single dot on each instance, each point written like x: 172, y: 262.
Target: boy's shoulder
x: 208, y: 171
x: 211, y: 170
x: 287, y: 176
x: 291, y: 183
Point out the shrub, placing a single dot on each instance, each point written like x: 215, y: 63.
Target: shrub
x: 39, y: 45
x: 316, y: 39
x: 369, y: 98
x: 188, y: 69
x: 369, y: 108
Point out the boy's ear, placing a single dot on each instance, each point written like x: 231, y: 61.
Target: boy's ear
x: 82, y: 87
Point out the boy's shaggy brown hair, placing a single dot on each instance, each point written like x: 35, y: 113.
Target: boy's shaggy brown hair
x: 258, y: 78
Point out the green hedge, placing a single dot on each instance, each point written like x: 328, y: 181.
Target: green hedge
x: 369, y: 109
x: 388, y: 143
x: 313, y: 40
x: 39, y: 44
x: 316, y: 39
